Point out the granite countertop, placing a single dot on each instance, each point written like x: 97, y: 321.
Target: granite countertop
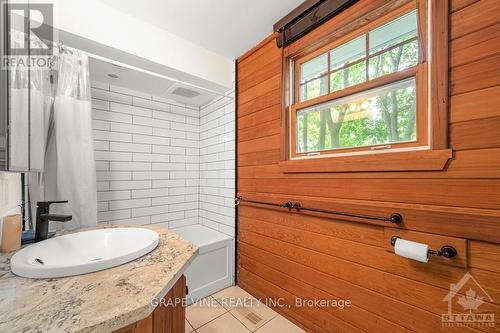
x: 102, y: 301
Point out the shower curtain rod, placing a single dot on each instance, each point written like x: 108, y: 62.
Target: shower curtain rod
x: 60, y: 46
x: 393, y: 218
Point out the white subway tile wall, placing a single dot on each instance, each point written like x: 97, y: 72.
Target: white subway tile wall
x: 217, y: 165
x: 164, y: 163
x: 147, y: 155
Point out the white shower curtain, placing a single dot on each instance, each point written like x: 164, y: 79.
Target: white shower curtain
x: 69, y: 159
x: 69, y: 166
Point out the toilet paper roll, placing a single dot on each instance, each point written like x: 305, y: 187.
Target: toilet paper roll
x: 411, y: 250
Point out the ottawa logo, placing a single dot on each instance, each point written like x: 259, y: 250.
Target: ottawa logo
x: 466, y: 297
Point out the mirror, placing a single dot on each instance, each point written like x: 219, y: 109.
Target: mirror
x: 16, y: 117
x: 3, y: 118
x: 18, y: 103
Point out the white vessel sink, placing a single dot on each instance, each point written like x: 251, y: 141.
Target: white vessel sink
x: 83, y: 252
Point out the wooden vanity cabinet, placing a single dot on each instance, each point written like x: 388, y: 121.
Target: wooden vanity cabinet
x: 168, y: 317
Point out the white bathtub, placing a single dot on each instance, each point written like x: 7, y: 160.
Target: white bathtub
x: 213, y: 269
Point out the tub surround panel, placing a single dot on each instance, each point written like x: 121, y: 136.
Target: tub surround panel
x: 147, y: 155
x: 103, y: 301
x: 213, y: 268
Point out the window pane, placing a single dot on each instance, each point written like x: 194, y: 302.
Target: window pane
x: 314, y: 68
x: 313, y: 84
x: 348, y: 76
x: 348, y: 52
x: 399, y: 30
x: 394, y: 60
x: 314, y: 88
x: 380, y: 116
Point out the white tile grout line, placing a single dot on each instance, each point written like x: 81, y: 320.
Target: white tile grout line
x: 230, y: 312
x: 225, y: 311
x: 196, y: 135
x: 151, y: 99
x: 239, y: 320
x: 193, y: 329
x: 267, y: 322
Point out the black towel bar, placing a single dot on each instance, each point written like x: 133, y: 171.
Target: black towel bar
x: 394, y: 218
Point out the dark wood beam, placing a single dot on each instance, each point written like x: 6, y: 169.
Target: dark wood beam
x: 306, y: 17
x: 296, y: 12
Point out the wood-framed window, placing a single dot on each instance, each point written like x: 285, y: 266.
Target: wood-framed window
x: 364, y: 89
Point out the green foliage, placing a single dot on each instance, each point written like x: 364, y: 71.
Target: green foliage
x: 386, y: 118
x: 356, y: 74
x: 388, y: 62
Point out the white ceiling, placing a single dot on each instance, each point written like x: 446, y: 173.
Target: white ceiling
x: 226, y: 27
x: 146, y: 83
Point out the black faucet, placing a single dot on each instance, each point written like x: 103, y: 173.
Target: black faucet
x: 43, y: 217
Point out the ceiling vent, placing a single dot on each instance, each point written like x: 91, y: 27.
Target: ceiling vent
x: 185, y: 92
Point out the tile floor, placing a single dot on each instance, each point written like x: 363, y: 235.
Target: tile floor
x: 233, y: 310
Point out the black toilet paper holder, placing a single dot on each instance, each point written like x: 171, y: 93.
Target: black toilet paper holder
x: 446, y: 251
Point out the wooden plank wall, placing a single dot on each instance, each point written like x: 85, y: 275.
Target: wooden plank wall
x: 290, y: 255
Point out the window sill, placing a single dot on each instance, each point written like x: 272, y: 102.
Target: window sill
x: 421, y: 160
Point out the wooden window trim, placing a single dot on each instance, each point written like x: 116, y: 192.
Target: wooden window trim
x: 418, y: 71
x: 414, y: 160
x: 432, y: 155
